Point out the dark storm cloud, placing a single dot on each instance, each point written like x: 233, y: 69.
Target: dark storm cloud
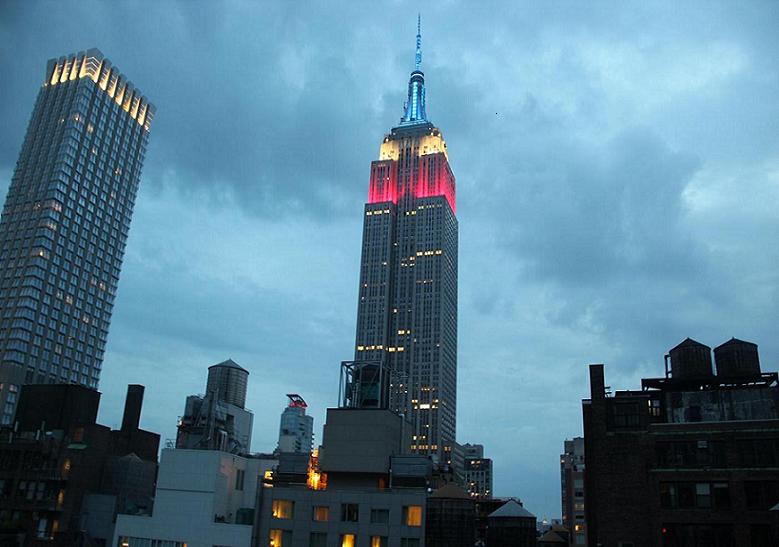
x: 618, y: 182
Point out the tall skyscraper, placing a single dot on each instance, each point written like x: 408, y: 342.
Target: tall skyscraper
x: 65, y: 224
x: 407, y: 309
x: 296, y: 429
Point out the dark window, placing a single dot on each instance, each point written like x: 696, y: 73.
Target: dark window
x: 626, y: 414
x: 317, y: 539
x: 239, y: 475
x: 379, y: 516
x: 350, y: 512
x: 761, y: 495
x: 692, y: 495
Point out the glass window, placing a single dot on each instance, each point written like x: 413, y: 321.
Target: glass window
x: 378, y: 541
x: 350, y: 512
x: 321, y: 513
x: 412, y: 515
x: 379, y: 516
x: 280, y: 538
x: 282, y: 509
x: 703, y: 495
x: 317, y: 539
x: 348, y: 540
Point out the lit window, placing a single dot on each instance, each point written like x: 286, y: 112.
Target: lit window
x: 348, y: 540
x: 280, y: 538
x: 321, y: 513
x: 412, y: 515
x: 378, y: 541
x: 282, y: 509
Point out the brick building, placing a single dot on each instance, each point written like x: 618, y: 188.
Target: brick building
x: 63, y: 477
x: 691, y: 458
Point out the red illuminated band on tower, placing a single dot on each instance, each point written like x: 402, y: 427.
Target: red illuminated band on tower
x: 433, y: 178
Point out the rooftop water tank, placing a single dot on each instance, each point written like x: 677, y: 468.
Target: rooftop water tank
x: 737, y: 358
x: 691, y: 359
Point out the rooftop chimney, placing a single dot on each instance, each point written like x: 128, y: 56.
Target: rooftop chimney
x: 132, y: 407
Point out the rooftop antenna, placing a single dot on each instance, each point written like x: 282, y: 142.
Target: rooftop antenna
x: 418, y: 57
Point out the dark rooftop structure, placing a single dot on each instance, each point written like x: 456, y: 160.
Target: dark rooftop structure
x: 692, y: 458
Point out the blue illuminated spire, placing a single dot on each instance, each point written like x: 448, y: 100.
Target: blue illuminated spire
x: 414, y: 109
x: 418, y: 58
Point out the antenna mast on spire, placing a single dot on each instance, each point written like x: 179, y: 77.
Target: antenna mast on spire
x: 418, y: 58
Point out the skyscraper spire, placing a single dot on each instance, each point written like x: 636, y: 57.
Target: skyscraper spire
x: 414, y: 109
x: 418, y: 58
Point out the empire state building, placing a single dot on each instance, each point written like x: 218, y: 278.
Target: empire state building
x: 407, y: 310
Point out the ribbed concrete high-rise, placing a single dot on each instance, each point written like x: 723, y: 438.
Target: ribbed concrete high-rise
x: 407, y: 310
x: 65, y: 224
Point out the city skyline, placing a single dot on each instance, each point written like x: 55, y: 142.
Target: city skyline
x: 550, y: 112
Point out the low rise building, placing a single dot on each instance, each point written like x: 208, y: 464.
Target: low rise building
x: 691, y: 458
x: 203, y: 498
x: 361, y: 490
x: 63, y: 477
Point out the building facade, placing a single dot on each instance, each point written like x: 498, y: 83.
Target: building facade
x: 360, y: 490
x: 65, y: 224
x: 477, y: 471
x: 690, y: 459
x: 572, y: 490
x: 218, y: 419
x: 296, y: 429
x: 407, y: 307
x: 203, y: 498
x: 63, y: 477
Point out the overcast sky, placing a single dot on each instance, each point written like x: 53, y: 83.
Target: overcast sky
x: 618, y: 190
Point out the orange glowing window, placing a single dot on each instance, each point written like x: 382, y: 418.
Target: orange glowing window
x: 378, y: 541
x: 321, y: 513
x: 348, y: 540
x: 412, y: 515
x: 280, y: 538
x: 282, y: 509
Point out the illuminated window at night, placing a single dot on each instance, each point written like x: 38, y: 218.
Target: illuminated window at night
x: 280, y: 538
x: 348, y: 540
x: 412, y: 515
x: 378, y: 541
x: 321, y: 513
x: 282, y: 509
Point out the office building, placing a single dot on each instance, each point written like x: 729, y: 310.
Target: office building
x: 203, y: 498
x: 63, y: 477
x: 218, y: 419
x: 65, y: 224
x: 572, y: 490
x: 477, y: 471
x: 407, y: 306
x: 362, y: 488
x: 690, y: 458
x: 296, y: 430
